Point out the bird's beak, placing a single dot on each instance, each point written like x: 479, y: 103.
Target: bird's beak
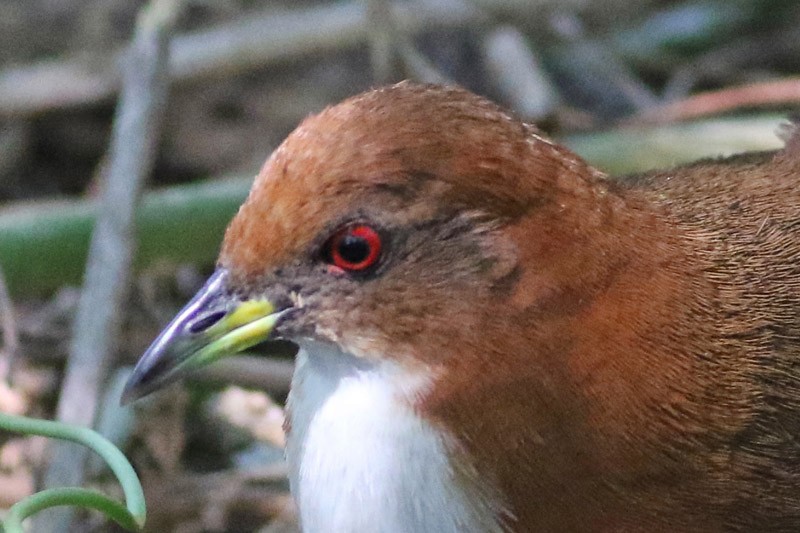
x: 214, y: 324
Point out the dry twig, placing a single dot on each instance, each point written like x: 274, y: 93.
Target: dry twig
x: 8, y: 325
x: 96, y: 326
x: 382, y: 41
x: 518, y: 73
x: 235, y: 47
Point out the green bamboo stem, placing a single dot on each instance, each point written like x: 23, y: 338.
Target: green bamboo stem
x: 43, y: 245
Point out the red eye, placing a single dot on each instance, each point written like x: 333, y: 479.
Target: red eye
x: 355, y: 248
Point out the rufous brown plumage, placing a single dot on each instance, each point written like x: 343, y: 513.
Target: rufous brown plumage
x: 494, y: 336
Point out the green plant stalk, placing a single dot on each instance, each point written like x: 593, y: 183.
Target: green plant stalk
x: 43, y: 245
x: 639, y: 149
x: 90, y: 499
x: 132, y: 516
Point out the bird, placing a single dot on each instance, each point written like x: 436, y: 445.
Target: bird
x: 495, y: 336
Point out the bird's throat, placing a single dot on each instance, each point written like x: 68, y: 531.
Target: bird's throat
x: 362, y: 459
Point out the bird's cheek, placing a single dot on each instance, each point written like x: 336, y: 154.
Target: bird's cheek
x: 296, y: 325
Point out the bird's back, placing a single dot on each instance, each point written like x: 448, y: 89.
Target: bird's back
x: 740, y: 220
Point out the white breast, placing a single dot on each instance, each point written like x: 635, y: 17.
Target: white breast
x: 360, y: 458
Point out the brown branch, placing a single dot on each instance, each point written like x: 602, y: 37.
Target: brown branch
x: 769, y: 93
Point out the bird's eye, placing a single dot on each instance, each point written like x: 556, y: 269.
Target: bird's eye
x: 354, y: 248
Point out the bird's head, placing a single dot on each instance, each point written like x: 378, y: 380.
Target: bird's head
x: 392, y: 225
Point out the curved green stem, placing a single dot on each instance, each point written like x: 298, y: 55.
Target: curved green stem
x: 132, y: 516
x: 68, y: 496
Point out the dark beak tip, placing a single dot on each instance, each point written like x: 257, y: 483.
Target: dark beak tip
x: 126, y: 399
x: 144, y: 380
x: 132, y: 391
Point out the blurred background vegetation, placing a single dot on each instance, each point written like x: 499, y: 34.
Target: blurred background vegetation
x: 628, y: 85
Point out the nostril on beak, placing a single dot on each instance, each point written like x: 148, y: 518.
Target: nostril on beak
x: 205, y: 322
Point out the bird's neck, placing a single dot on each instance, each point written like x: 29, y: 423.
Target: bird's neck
x: 553, y: 380
x: 362, y: 459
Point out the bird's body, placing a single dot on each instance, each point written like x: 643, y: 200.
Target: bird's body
x: 496, y: 337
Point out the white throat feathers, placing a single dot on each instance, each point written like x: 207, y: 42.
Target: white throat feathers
x: 360, y: 458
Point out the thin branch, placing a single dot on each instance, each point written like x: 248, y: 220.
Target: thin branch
x: 382, y: 41
x: 250, y: 371
x: 419, y: 67
x: 132, y: 151
x: 392, y: 46
x: 768, y: 93
x: 10, y: 346
x: 518, y: 74
x: 241, y: 45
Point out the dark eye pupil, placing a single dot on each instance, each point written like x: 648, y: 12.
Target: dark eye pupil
x: 353, y: 249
